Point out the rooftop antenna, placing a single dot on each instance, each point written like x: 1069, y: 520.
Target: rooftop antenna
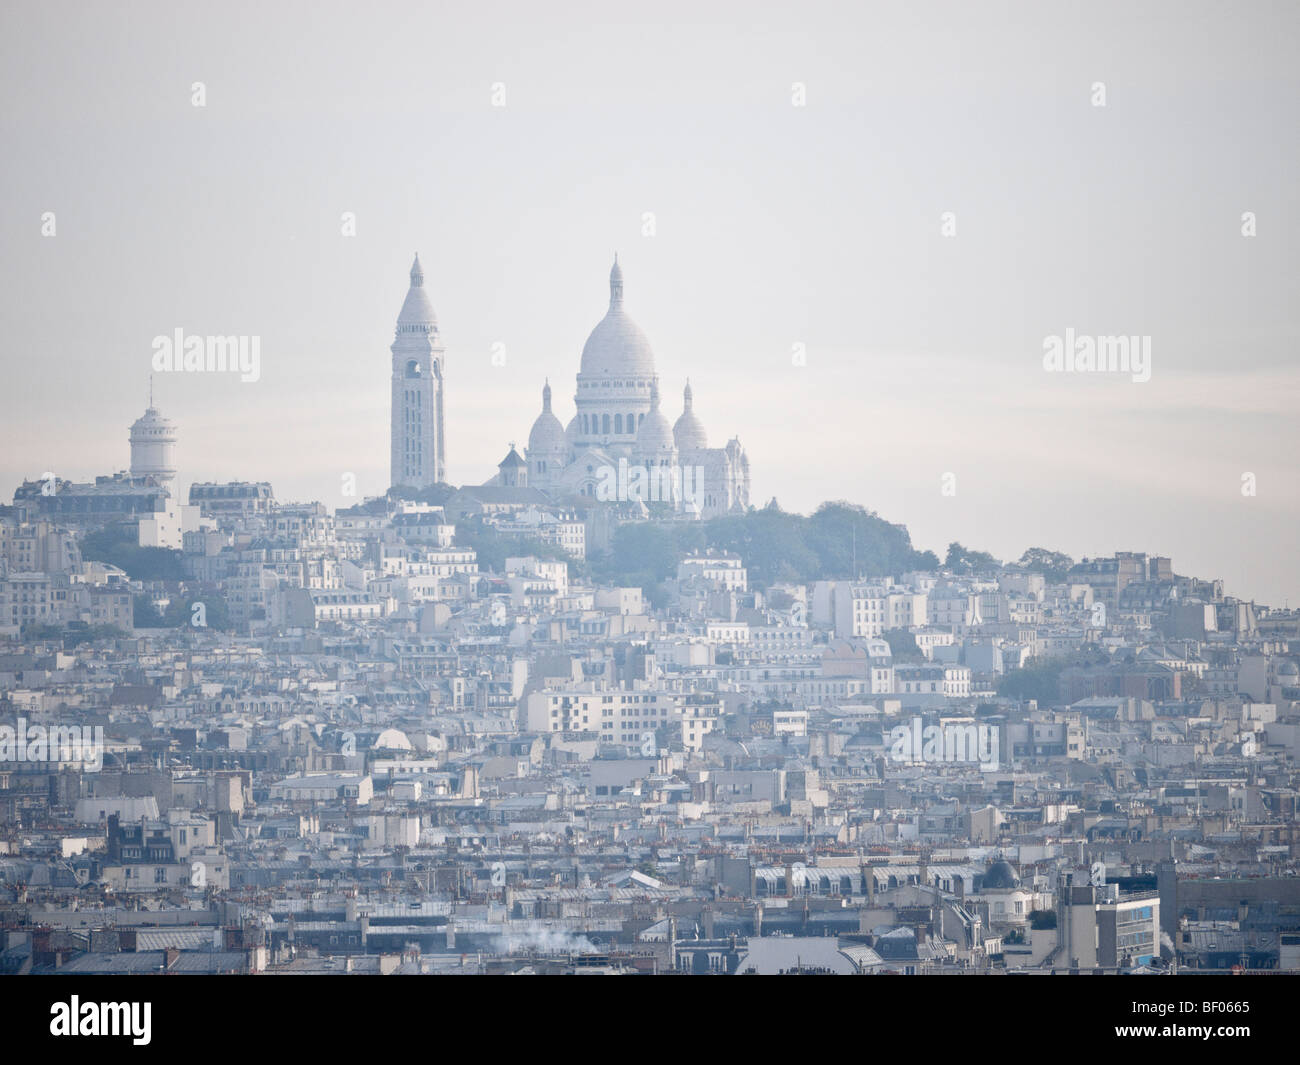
x: 151, y: 391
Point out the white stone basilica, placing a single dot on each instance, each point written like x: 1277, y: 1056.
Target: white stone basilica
x: 619, y: 446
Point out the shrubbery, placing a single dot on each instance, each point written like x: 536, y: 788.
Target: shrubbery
x: 838, y: 541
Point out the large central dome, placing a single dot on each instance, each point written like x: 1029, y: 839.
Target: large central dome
x: 617, y: 347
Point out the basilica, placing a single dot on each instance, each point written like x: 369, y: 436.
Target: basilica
x: 619, y: 446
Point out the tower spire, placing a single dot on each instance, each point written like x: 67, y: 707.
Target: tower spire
x: 546, y: 397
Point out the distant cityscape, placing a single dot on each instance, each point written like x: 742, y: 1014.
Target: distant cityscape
x: 604, y: 713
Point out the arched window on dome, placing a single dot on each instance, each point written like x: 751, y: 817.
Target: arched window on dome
x: 605, y: 424
x: 586, y: 426
x: 640, y: 420
x: 618, y: 424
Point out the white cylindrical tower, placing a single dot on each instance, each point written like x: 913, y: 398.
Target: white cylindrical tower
x: 153, y: 448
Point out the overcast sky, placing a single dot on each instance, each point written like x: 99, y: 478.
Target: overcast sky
x: 774, y: 225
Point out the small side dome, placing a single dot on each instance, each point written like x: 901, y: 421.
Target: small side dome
x: 392, y: 739
x: 547, y: 435
x: 689, y: 431
x: 1001, y: 877
x: 654, y: 440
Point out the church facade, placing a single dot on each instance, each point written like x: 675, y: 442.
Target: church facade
x: 619, y: 445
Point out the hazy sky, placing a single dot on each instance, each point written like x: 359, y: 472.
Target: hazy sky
x: 774, y: 225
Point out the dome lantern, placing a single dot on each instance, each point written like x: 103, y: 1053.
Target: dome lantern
x: 615, y: 284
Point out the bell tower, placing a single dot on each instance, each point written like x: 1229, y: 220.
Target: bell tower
x: 418, y: 449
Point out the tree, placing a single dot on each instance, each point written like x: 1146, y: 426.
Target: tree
x: 925, y: 560
x: 840, y: 540
x: 851, y: 541
x: 38, y: 630
x: 1053, y: 565
x: 965, y: 560
x: 1040, y: 678
x: 1040, y: 681
x: 180, y: 611
x: 493, y: 547
x: 903, y: 646
x: 116, y: 545
x: 644, y: 548
x: 782, y: 601
x: 642, y: 555
x: 143, y: 614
